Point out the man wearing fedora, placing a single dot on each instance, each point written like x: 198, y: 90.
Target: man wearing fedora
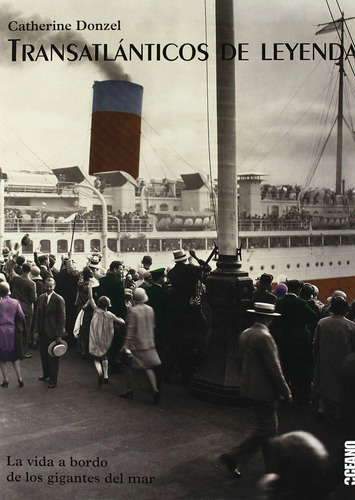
x: 188, y: 325
x: 263, y: 383
x: 49, y: 328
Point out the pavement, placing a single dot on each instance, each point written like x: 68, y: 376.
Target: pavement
x: 80, y: 442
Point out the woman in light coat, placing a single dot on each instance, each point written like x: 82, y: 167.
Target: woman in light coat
x: 139, y: 343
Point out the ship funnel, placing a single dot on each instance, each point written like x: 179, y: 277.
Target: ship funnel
x: 116, y: 127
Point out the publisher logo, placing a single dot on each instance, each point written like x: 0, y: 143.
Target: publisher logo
x: 349, y: 463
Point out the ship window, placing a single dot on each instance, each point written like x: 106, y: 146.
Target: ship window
x: 62, y: 246
x: 330, y: 263
x: 154, y: 245
x: 95, y: 245
x: 251, y: 268
x: 288, y: 266
x: 243, y: 242
x: 258, y: 242
x: 317, y: 264
x: 275, y: 210
x: 299, y: 241
x: 133, y: 245
x: 262, y: 268
x: 45, y: 246
x: 348, y: 239
x: 339, y: 263
x: 28, y: 248
x: 163, y: 207
x: 112, y: 244
x: 348, y: 262
x: 273, y: 266
x: 321, y: 264
x: 298, y: 265
x: 211, y: 242
x: 316, y: 241
x: 79, y: 246
x: 307, y: 264
x: 278, y: 242
x: 332, y: 240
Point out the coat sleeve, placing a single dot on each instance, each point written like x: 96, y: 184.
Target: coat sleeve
x: 270, y: 357
x: 131, y: 329
x: 60, y: 316
x: 316, y: 342
x: 38, y: 317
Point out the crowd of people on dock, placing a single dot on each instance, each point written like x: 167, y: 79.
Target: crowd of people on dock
x: 158, y: 320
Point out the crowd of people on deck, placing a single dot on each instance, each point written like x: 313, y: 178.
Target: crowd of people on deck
x: 156, y: 320
x: 16, y: 219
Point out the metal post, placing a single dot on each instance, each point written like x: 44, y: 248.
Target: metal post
x: 229, y: 289
x: 104, y: 222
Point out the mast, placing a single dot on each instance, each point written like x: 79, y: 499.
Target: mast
x: 339, y: 158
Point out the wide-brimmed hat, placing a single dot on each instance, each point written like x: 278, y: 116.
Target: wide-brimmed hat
x: 56, y: 350
x: 179, y: 255
x: 264, y: 309
x: 139, y: 295
x: 94, y: 261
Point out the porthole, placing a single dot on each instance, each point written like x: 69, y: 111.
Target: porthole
x: 317, y: 264
x: 348, y: 262
x: 251, y: 268
x: 330, y: 263
x: 308, y: 264
x: 339, y: 263
x: 273, y: 267
x: 262, y: 268
x: 321, y: 264
x: 288, y: 266
x: 298, y: 265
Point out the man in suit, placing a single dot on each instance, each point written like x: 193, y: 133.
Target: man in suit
x: 295, y: 342
x: 49, y: 327
x: 188, y: 326
x: 160, y: 302
x: 24, y: 290
x: 262, y: 382
x: 263, y: 293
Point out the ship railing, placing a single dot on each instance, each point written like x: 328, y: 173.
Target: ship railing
x: 270, y: 225
x: 52, y: 225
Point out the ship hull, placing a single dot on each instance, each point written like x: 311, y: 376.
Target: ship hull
x: 327, y: 267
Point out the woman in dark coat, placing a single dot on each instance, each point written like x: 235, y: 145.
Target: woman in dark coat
x: 9, y: 310
x: 83, y: 303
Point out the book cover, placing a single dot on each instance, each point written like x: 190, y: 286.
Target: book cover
x: 77, y: 442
